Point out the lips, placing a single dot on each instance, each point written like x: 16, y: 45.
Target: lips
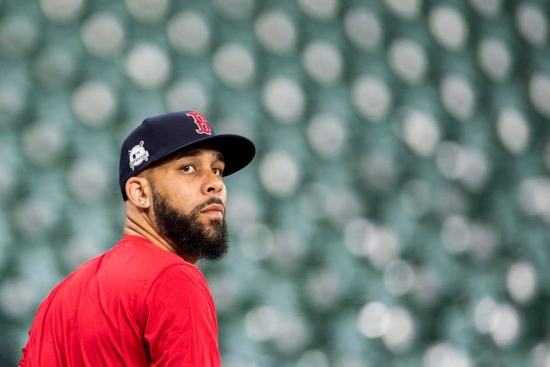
x: 214, y: 210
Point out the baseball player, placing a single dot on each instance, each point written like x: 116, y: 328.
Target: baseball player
x: 144, y: 302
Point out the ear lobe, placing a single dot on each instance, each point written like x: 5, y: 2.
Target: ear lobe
x: 137, y: 191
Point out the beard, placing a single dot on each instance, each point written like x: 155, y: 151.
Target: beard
x: 187, y: 233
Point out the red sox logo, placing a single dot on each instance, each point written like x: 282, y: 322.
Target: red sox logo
x: 202, y: 124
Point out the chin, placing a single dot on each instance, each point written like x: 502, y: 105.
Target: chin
x: 212, y: 222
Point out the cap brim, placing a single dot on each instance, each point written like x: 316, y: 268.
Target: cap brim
x: 237, y: 150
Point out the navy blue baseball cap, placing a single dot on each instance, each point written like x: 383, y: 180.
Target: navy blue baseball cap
x: 160, y: 136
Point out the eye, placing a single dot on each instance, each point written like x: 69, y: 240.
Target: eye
x: 188, y: 168
x: 217, y: 171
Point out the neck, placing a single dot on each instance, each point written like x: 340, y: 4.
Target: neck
x: 138, y: 224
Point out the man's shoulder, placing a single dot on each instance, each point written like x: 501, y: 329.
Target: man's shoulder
x: 142, y: 266
x: 136, y: 254
x: 133, y: 262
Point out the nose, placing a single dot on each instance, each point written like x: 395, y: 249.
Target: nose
x: 213, y: 184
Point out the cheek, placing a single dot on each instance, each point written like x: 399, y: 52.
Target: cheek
x: 181, y: 198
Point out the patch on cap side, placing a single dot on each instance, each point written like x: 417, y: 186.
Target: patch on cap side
x: 137, y: 155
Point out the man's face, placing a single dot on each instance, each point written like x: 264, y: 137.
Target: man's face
x: 189, y: 203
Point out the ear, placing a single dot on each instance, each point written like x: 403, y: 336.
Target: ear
x: 138, y: 191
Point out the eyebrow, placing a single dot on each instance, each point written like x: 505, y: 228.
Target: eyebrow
x: 198, y: 152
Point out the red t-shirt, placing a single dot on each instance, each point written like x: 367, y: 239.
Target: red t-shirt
x: 134, y: 305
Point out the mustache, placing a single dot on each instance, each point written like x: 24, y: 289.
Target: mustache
x: 212, y: 200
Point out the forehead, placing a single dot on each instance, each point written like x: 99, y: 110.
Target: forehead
x: 203, y: 151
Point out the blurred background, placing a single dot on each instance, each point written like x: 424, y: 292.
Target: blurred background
x: 397, y: 212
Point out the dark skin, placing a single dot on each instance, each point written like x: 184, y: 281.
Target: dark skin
x: 186, y: 179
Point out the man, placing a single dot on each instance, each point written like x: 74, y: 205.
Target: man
x: 144, y: 302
